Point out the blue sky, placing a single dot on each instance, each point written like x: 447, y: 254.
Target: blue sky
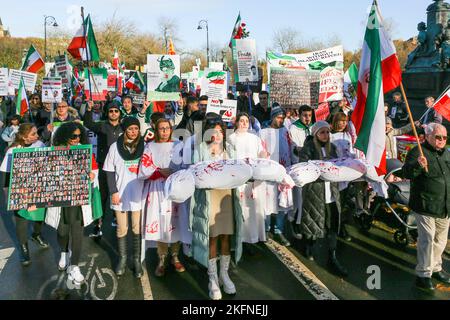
x: 314, y: 19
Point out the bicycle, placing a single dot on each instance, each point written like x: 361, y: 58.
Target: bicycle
x: 59, y: 287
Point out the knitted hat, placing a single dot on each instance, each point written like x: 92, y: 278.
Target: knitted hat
x: 276, y: 110
x: 129, y: 121
x: 319, y: 125
x: 113, y: 105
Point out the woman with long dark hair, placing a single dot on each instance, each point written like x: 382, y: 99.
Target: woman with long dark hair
x: 26, y: 137
x: 70, y: 221
x: 216, y: 212
x: 121, y: 167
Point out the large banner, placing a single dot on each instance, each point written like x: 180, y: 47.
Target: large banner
x: 329, y: 62
x: 99, y: 83
x: 214, y: 84
x: 50, y: 177
x: 14, y: 80
x: 4, y: 81
x: 52, y: 90
x: 226, y: 108
x: 292, y: 88
x: 245, y: 60
x: 163, y: 77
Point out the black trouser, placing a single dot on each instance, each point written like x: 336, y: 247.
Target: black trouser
x: 72, y: 229
x: 22, y: 228
x: 104, y: 192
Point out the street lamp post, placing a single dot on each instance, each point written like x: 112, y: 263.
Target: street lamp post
x: 51, y: 22
x: 202, y: 24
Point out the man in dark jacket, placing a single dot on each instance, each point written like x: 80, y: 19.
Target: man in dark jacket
x: 245, y: 102
x: 107, y: 133
x: 430, y: 190
x: 397, y: 111
x: 261, y: 110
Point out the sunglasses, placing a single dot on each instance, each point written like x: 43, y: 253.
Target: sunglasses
x: 439, y: 137
x: 114, y: 111
x: 75, y: 136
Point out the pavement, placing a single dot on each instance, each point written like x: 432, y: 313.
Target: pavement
x: 379, y: 269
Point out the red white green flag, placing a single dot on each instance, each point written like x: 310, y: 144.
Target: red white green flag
x: 84, y: 46
x: 442, y: 105
x: 115, y: 63
x: 136, y: 83
x: 22, y: 105
x: 379, y: 72
x: 97, y: 210
x: 33, y: 61
x: 239, y: 31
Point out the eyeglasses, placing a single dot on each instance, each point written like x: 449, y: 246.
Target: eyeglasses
x: 75, y: 136
x: 439, y: 137
x: 114, y: 111
x: 164, y: 129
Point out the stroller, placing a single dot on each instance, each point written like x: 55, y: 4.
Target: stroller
x: 394, y: 210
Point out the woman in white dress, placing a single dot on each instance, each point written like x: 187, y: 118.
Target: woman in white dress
x: 164, y: 221
x: 244, y: 144
x: 121, y: 168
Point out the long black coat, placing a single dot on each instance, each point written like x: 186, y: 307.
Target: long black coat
x: 316, y: 215
x: 429, y: 191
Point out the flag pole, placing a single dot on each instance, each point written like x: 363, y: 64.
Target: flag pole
x: 411, y: 120
x: 87, y: 53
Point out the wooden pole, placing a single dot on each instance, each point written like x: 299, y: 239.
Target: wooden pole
x: 411, y: 120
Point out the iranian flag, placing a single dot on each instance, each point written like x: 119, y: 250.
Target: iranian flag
x: 237, y: 30
x: 442, y: 105
x: 84, y: 46
x: 379, y: 72
x: 136, y: 83
x: 97, y: 210
x: 22, y: 105
x: 351, y: 84
x: 33, y: 61
x: 115, y: 63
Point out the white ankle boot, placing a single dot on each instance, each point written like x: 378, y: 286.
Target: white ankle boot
x: 213, y: 286
x: 228, y: 285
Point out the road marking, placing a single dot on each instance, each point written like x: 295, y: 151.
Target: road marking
x: 4, y: 256
x: 301, y: 272
x: 145, y: 281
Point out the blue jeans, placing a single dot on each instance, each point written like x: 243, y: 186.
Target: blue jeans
x: 279, y: 222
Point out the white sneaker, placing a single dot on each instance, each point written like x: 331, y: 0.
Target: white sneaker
x: 75, y: 275
x: 64, y: 261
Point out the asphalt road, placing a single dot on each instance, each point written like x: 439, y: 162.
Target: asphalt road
x: 267, y: 271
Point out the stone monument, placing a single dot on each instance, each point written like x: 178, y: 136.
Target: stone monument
x: 427, y: 71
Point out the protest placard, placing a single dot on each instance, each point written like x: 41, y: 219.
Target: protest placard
x: 14, y: 80
x: 50, y: 177
x: 64, y: 70
x: 292, y: 88
x: 245, y: 60
x: 163, y: 77
x: 322, y: 112
x: 138, y: 98
x: 99, y: 83
x: 329, y: 62
x: 254, y: 86
x: 214, y: 84
x: 52, y: 90
x: 226, y: 108
x: 4, y: 81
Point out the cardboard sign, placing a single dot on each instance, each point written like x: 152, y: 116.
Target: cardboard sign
x: 322, y: 112
x: 163, y: 77
x: 52, y: 90
x: 245, y: 60
x: 99, y: 84
x: 227, y: 108
x: 29, y: 79
x: 50, y: 177
x: 138, y: 98
x: 64, y: 70
x: 292, y: 88
x: 214, y: 84
x: 4, y: 81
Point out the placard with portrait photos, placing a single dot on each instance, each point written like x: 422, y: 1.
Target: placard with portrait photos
x: 50, y: 177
